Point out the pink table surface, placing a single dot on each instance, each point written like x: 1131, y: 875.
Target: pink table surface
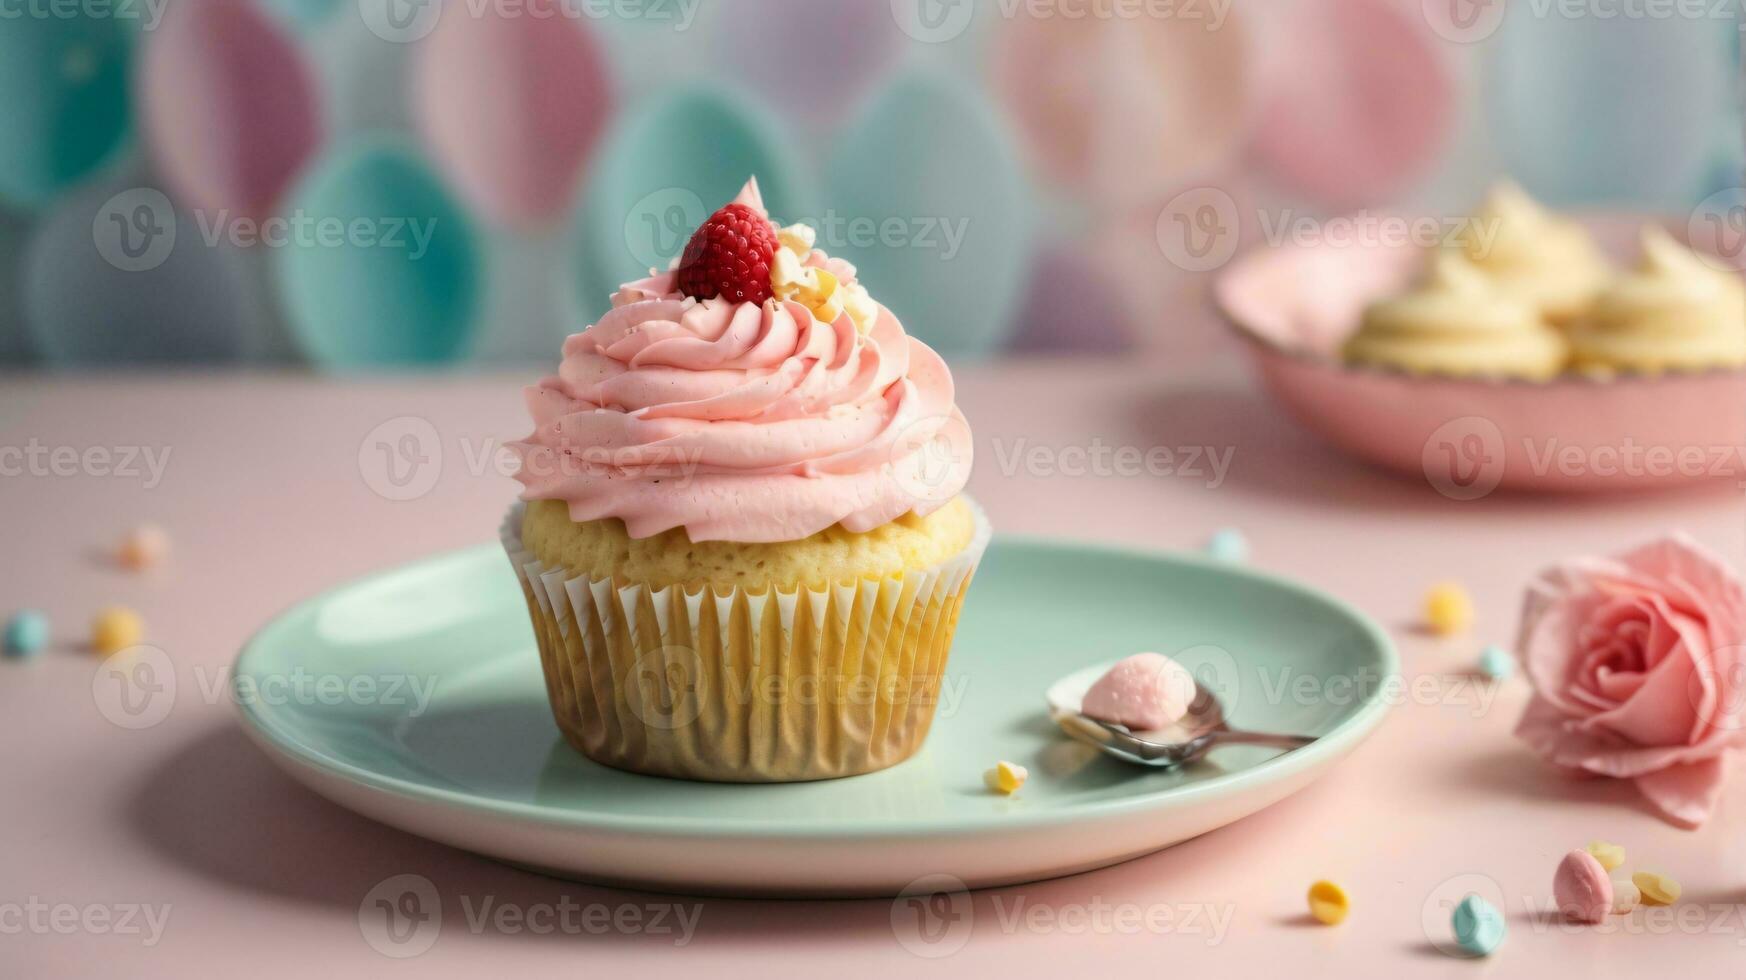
x: 267, y: 503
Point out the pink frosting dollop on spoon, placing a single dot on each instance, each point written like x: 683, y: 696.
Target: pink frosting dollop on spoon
x: 1144, y: 692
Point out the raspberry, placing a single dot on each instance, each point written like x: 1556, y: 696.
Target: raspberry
x: 729, y: 256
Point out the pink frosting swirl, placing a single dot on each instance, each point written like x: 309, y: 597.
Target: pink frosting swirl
x: 741, y: 422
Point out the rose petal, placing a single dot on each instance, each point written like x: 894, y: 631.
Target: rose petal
x: 1685, y: 794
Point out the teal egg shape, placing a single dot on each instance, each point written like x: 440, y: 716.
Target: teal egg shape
x: 64, y: 109
x: 1599, y: 111
x: 386, y: 271
x: 663, y: 169
x: 929, y: 201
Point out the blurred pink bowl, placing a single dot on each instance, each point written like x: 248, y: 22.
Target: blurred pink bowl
x: 1294, y: 305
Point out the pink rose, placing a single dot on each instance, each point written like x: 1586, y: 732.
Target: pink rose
x: 1638, y: 671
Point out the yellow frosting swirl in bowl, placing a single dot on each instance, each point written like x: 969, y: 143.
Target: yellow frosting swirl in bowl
x: 1674, y: 312
x: 1457, y: 322
x: 1549, y: 262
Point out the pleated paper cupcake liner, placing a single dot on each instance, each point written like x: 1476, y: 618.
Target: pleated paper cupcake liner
x: 740, y: 686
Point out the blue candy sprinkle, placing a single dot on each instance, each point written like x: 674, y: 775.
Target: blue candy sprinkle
x: 1496, y: 663
x: 1228, y: 544
x: 27, y: 633
x: 1479, y: 928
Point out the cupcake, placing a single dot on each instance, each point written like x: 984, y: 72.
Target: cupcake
x: 1457, y: 322
x: 1549, y: 262
x: 741, y: 533
x: 1674, y: 312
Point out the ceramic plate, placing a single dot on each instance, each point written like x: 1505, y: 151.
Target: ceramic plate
x: 435, y: 721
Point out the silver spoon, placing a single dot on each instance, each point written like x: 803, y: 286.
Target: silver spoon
x: 1190, y: 737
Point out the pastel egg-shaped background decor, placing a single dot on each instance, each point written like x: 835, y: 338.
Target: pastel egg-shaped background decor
x: 15, y: 347
x: 562, y: 147
x: 830, y: 53
x: 929, y: 160
x: 1120, y: 110
x: 229, y: 105
x: 382, y: 267
x: 116, y: 274
x: 510, y: 107
x: 669, y: 166
x: 1602, y: 110
x: 64, y: 104
x: 1360, y: 100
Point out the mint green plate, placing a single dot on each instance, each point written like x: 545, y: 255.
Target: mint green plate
x: 415, y: 697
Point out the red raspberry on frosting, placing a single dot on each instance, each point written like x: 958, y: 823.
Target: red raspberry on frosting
x: 730, y: 256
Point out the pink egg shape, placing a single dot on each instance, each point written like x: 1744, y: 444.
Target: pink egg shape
x: 230, y: 106
x: 510, y: 103
x: 1121, y: 109
x: 1360, y: 100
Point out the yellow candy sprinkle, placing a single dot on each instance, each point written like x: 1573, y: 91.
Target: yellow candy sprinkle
x: 797, y: 238
x: 1006, y: 777
x: 1448, y: 609
x: 1610, y: 856
x: 1328, y: 903
x: 860, y: 305
x: 1656, y: 888
x: 116, y: 628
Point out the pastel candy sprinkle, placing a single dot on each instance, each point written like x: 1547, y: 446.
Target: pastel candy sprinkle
x: 116, y: 628
x: 143, y: 547
x: 1448, y: 609
x: 1581, y: 888
x: 1626, y: 895
x: 1611, y: 856
x: 1228, y: 544
x: 1478, y: 926
x: 1496, y: 663
x: 1656, y: 888
x: 26, y: 634
x: 1328, y: 903
x: 1006, y: 777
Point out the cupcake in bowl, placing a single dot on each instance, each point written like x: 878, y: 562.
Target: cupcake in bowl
x: 741, y: 536
x: 1675, y: 312
x: 1545, y: 260
x: 1457, y: 322
x: 1514, y: 356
